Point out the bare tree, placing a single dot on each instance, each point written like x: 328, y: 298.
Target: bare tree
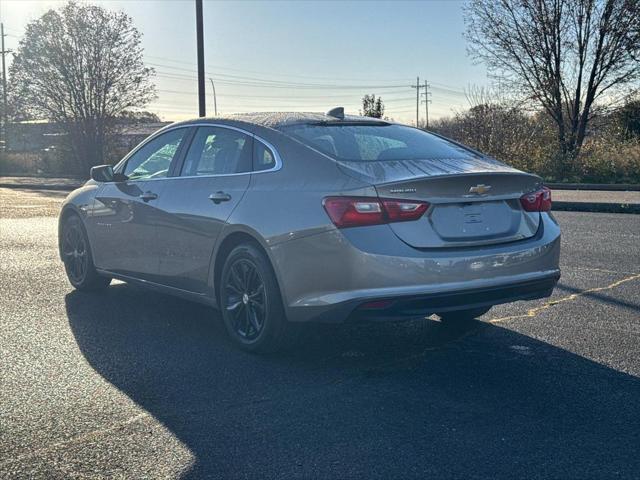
x: 82, y: 67
x: 564, y: 55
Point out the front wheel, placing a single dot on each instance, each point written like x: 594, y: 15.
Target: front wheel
x: 251, y: 304
x: 463, y: 315
x: 76, y: 254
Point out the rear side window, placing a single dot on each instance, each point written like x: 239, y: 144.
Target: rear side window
x: 218, y: 151
x: 366, y: 142
x: 263, y: 157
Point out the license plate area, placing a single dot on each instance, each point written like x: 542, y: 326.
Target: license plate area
x: 474, y: 220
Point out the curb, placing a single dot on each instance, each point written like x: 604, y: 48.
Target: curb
x: 41, y: 186
x: 633, y: 208
x: 610, y: 187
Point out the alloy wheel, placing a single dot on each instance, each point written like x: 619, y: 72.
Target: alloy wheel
x: 75, y: 253
x: 245, y: 299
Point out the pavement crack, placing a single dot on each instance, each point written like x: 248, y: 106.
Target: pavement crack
x: 79, y: 438
x: 534, y: 311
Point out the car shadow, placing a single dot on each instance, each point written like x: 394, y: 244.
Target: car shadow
x: 400, y: 400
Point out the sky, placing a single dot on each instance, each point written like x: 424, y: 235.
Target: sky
x: 295, y: 55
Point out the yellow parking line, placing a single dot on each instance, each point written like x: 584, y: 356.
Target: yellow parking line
x: 534, y: 311
x: 591, y: 269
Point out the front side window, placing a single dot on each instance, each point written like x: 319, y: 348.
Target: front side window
x: 218, y: 151
x: 368, y: 142
x: 154, y: 158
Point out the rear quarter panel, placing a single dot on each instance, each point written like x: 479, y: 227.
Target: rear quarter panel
x: 286, y: 205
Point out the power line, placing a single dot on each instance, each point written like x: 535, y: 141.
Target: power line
x: 266, y: 81
x: 285, y: 97
x: 449, y: 90
x: 433, y: 85
x: 219, y: 67
x: 393, y: 95
x: 173, y: 76
x: 454, y: 91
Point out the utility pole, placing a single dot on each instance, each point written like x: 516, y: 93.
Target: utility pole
x: 417, y: 86
x: 427, y: 101
x: 200, y: 41
x: 4, y: 89
x: 215, y: 103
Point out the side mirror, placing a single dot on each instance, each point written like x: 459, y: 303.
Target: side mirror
x: 102, y: 173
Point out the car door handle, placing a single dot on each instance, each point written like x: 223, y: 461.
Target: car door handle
x: 219, y: 197
x: 146, y: 196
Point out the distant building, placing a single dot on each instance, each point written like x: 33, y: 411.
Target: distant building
x: 131, y: 134
x: 33, y: 136
x: 39, y: 136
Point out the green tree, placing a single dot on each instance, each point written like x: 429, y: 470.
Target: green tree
x: 372, y: 106
x: 82, y: 67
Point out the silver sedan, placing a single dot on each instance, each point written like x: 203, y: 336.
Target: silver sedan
x: 285, y: 218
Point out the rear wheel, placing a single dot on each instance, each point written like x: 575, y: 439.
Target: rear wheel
x: 251, y: 303
x: 76, y: 254
x: 463, y: 315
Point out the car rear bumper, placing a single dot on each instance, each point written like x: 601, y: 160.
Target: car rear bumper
x: 417, y: 306
x: 329, y: 276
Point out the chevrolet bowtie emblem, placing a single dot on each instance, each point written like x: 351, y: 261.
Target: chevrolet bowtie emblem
x: 480, y: 189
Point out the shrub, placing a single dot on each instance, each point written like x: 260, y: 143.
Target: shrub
x: 528, y: 142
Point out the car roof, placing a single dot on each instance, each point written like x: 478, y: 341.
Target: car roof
x: 280, y: 119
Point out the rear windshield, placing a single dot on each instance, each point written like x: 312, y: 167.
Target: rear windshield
x: 367, y: 143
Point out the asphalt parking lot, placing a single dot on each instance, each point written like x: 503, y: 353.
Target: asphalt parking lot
x: 133, y: 384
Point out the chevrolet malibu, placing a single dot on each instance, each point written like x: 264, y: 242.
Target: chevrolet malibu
x: 285, y: 218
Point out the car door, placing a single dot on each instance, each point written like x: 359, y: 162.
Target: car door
x: 126, y: 214
x: 196, y: 204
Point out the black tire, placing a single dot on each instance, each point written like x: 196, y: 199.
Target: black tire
x: 77, y: 257
x: 251, y: 303
x: 458, y: 316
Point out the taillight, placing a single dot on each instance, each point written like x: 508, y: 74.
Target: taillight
x: 360, y: 211
x: 538, y: 201
x: 401, y: 211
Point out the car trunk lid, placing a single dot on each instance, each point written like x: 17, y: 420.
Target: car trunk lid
x: 472, y: 202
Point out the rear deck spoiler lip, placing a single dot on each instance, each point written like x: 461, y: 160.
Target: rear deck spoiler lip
x: 407, y: 178
x: 537, y: 178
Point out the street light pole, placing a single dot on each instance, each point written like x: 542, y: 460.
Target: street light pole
x: 215, y: 104
x: 200, y: 42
